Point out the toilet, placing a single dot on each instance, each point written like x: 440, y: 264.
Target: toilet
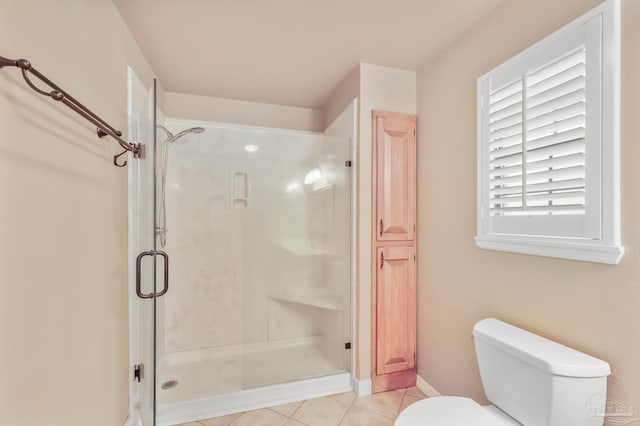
x: 530, y: 380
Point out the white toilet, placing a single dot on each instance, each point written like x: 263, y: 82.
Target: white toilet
x: 531, y: 381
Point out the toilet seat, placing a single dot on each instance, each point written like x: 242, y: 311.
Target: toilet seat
x: 448, y: 411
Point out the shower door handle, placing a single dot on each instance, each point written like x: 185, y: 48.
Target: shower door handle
x: 165, y: 287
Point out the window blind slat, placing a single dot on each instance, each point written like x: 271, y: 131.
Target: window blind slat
x: 512, y: 190
x: 566, y: 173
x: 506, y: 132
x: 507, y: 121
x: 578, y: 70
x: 516, y: 98
x: 580, y: 56
x: 507, y: 160
x: 558, y: 91
x: 573, y: 159
x: 575, y: 109
x: 575, y: 122
x: 506, y: 91
x: 539, y: 209
x: 506, y: 171
x: 557, y: 103
x: 505, y: 142
x: 506, y: 202
x: 562, y: 149
x: 568, y: 184
x: 505, y: 112
x: 569, y: 197
x: 506, y: 181
x: 555, y: 139
x: 506, y: 152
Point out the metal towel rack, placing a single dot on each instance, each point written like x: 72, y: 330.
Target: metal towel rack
x: 59, y: 95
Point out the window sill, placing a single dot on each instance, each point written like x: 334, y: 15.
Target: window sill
x: 587, y: 251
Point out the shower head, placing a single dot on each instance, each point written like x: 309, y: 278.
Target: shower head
x: 172, y: 138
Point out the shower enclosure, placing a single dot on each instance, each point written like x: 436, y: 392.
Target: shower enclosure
x: 257, y: 229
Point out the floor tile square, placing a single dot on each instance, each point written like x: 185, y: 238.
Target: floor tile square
x: 321, y: 412
x: 415, y: 392
x: 386, y: 404
x: 292, y: 422
x: 407, y: 401
x: 262, y: 417
x: 220, y: 421
x: 346, y: 398
x: 287, y: 409
x: 361, y: 417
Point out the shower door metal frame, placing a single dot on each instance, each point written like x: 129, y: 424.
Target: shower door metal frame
x: 142, y: 238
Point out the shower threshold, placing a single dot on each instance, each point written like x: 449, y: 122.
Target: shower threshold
x: 253, y: 399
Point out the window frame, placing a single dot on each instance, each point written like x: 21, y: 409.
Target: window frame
x: 603, y: 206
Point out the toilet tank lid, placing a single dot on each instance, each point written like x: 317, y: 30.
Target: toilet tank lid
x: 543, y: 353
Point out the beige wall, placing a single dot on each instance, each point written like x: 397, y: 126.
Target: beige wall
x: 63, y: 220
x: 592, y: 307
x: 207, y: 108
x: 342, y: 96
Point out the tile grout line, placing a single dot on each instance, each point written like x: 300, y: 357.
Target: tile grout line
x: 296, y: 410
x: 345, y: 413
x: 349, y: 406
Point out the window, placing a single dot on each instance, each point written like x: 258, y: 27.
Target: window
x: 548, y: 145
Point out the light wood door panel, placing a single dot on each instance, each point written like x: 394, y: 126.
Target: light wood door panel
x: 395, y: 142
x: 395, y: 309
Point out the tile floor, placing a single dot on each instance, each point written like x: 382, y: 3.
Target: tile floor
x: 344, y: 409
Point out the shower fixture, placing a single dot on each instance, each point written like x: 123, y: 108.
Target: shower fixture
x: 172, y: 138
x: 161, y: 226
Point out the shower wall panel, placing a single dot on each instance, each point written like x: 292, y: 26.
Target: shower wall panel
x: 227, y: 263
x: 204, y: 241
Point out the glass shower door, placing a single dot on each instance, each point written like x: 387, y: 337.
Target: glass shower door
x: 294, y: 243
x: 144, y: 223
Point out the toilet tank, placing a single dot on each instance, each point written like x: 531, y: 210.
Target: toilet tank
x: 537, y: 381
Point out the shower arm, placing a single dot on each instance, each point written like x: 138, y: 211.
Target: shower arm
x: 57, y: 94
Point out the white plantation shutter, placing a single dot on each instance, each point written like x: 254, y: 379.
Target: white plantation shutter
x: 541, y: 137
x: 505, y: 148
x: 548, y: 144
x: 555, y: 126
x: 537, y: 141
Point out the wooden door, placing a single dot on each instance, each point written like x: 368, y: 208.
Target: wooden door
x: 395, y: 145
x: 395, y: 310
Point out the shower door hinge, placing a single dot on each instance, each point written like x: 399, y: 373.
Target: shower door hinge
x: 347, y: 163
x: 347, y: 345
x: 138, y: 372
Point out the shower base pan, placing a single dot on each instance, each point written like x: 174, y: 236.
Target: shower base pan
x: 211, y: 386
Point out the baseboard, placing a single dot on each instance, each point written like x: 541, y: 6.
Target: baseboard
x: 361, y: 387
x: 426, y: 388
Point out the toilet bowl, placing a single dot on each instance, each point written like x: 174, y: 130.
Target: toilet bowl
x: 453, y: 411
x: 530, y: 380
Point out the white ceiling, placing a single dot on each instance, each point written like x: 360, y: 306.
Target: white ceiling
x: 289, y: 52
